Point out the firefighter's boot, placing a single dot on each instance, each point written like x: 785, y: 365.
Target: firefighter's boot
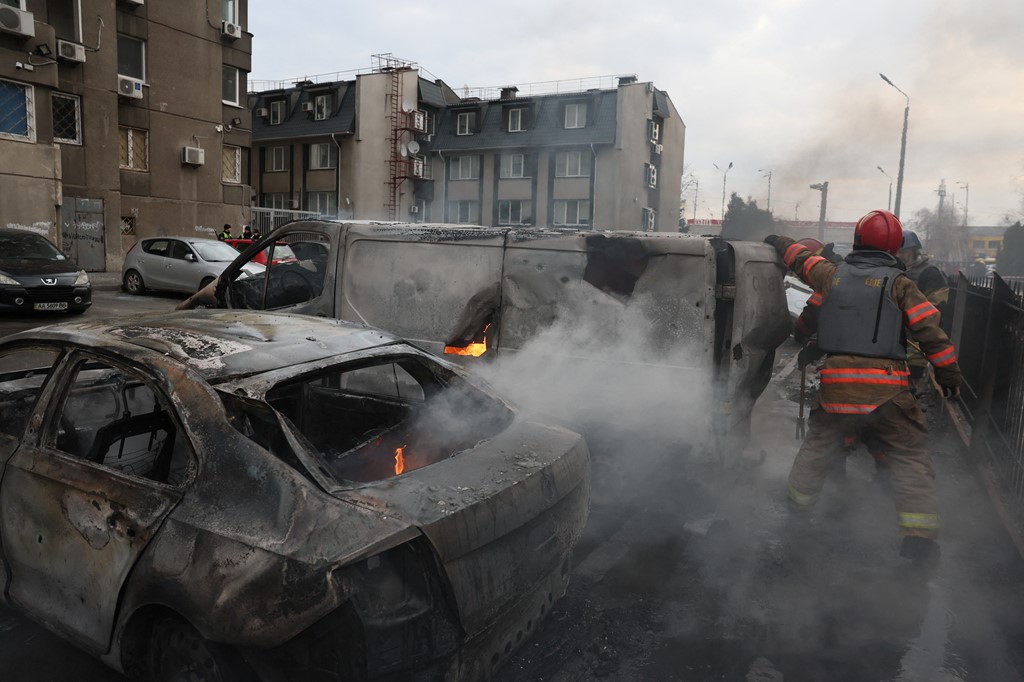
x: 923, y: 553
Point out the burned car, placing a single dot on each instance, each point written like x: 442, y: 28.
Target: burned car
x: 207, y: 494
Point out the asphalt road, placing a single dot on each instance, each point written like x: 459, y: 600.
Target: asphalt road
x: 689, y: 571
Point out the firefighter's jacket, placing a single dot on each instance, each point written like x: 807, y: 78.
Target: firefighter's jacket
x: 933, y: 284
x: 857, y: 384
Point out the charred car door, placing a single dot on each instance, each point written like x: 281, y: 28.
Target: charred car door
x: 102, y: 467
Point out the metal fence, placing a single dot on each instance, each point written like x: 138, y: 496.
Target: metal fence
x: 266, y: 219
x: 986, y: 324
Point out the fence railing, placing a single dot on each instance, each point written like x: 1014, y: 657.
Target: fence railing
x: 986, y: 325
x: 266, y: 219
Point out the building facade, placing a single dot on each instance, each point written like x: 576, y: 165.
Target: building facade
x: 392, y: 145
x: 121, y: 119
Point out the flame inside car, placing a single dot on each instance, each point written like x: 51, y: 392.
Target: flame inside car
x: 400, y: 460
x: 475, y: 349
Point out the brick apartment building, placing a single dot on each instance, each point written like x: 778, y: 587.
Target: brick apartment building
x: 121, y: 119
x: 391, y: 144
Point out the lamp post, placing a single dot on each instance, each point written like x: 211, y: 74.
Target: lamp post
x: 967, y: 198
x: 768, y: 174
x: 823, y: 188
x: 696, y: 189
x: 903, y: 146
x: 888, y: 206
x: 724, y: 173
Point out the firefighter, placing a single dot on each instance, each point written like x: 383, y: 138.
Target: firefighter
x: 867, y: 301
x: 932, y: 283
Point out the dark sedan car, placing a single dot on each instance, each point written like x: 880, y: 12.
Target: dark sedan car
x: 36, y: 276
x: 211, y: 495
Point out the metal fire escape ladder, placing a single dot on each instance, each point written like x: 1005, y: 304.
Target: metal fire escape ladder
x: 396, y: 163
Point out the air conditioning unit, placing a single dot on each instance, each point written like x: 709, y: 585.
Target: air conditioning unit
x: 229, y: 30
x: 129, y: 87
x: 307, y: 106
x: 652, y: 176
x: 419, y: 121
x: 659, y: 148
x: 653, y: 130
x: 414, y: 208
x: 193, y: 156
x: 417, y: 167
x: 72, y: 52
x: 17, y: 21
x: 263, y: 112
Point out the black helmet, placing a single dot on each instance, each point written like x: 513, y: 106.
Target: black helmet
x: 911, y: 240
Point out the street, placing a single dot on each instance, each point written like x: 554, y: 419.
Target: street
x: 688, y: 569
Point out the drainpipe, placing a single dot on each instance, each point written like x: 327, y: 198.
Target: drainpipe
x: 337, y: 170
x: 593, y: 189
x: 444, y: 194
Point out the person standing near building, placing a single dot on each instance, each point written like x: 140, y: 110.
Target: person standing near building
x: 933, y: 284
x: 225, y: 233
x: 867, y: 302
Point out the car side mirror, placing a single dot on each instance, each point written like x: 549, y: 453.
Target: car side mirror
x: 190, y: 257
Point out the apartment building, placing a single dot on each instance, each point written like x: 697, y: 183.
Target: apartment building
x: 121, y: 119
x: 391, y: 144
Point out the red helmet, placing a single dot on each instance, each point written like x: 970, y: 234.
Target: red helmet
x: 812, y: 245
x: 880, y: 230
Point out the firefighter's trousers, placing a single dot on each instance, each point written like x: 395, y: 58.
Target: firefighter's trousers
x: 898, y: 426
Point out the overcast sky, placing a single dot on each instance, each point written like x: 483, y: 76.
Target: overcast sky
x: 786, y: 85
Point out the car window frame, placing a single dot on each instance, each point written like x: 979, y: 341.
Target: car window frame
x: 30, y: 432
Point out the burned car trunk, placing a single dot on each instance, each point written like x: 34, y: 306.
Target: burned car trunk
x: 313, y: 497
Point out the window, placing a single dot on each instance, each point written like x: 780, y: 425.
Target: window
x: 285, y: 282
x: 651, y: 174
x: 17, y: 111
x: 231, y: 163
x: 993, y: 243
x: 465, y: 168
x: 277, y: 112
x: 231, y: 11
x: 322, y: 155
x: 515, y: 212
x: 127, y: 224
x: 67, y: 123
x: 17, y: 4
x: 322, y: 107
x: 465, y: 123
x: 131, y: 57
x: 511, y: 165
x: 113, y: 418
x: 277, y: 159
x: 65, y: 17
x: 576, y: 115
x: 22, y: 375
x: 647, y: 219
x: 515, y: 120
x: 229, y: 85
x: 134, y: 148
x: 572, y: 212
x: 324, y: 203
x: 275, y: 200
x: 464, y: 211
x: 572, y: 165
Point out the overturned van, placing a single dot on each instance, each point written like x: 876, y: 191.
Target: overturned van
x: 582, y: 325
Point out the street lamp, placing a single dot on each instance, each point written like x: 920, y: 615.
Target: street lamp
x: 724, y: 174
x: 967, y: 198
x: 696, y: 189
x: 768, y: 174
x: 889, y: 205
x: 903, y: 145
x: 823, y: 188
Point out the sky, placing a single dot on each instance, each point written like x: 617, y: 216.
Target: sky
x: 790, y: 86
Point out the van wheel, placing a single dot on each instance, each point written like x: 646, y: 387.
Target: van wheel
x: 133, y: 283
x: 178, y: 653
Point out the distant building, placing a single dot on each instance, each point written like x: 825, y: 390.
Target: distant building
x: 390, y: 144
x: 984, y: 241
x: 121, y: 119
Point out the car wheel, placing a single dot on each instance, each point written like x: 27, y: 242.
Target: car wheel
x: 133, y: 283
x: 178, y: 653
x: 205, y: 283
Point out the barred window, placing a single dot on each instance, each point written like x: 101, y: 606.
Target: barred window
x: 127, y: 224
x: 231, y: 163
x: 67, y: 119
x: 134, y: 148
x: 17, y: 111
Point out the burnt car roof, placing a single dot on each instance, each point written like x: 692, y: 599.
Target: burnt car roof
x: 220, y: 344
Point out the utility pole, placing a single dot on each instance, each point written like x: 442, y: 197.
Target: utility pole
x: 696, y: 189
x: 768, y: 173
x: 725, y: 174
x: 823, y: 188
x: 941, y: 191
x: 967, y: 198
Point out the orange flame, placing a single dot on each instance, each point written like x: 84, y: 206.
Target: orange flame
x: 474, y: 349
x: 399, y: 460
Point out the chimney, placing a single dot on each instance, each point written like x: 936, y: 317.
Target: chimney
x: 626, y: 80
x: 509, y: 92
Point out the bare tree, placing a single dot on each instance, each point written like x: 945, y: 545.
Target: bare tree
x: 945, y: 235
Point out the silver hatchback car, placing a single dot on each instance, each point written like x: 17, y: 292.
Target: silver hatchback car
x: 177, y: 264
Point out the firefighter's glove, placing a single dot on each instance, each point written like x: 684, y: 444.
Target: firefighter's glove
x: 771, y: 239
x: 808, y: 355
x: 950, y: 392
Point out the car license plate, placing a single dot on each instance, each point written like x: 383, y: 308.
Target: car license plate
x: 50, y: 306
